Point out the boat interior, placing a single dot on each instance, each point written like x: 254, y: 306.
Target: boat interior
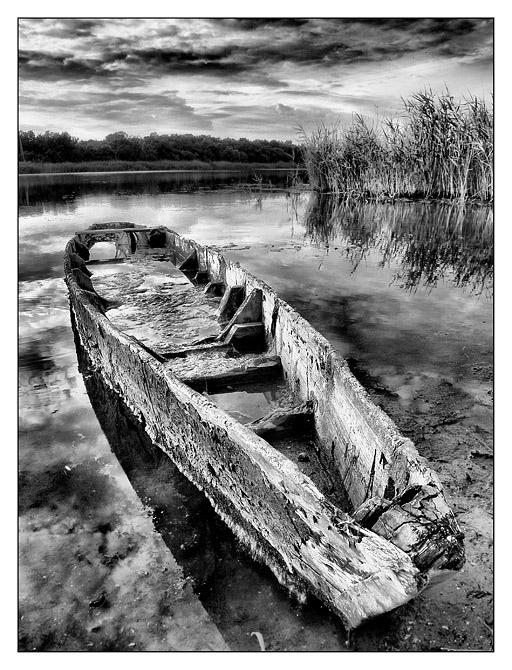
x: 211, y: 336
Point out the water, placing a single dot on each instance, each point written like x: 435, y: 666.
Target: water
x: 117, y: 550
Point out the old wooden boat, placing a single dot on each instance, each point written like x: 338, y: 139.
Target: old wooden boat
x: 314, y: 479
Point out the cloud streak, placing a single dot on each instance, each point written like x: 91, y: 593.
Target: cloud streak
x: 180, y: 68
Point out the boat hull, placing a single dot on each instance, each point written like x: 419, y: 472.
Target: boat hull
x: 273, y: 508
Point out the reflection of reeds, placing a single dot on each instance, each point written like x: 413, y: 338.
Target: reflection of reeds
x: 439, y: 148
x: 430, y: 242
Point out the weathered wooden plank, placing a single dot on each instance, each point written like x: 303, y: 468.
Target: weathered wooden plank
x: 106, y: 261
x: 413, y: 521
x: 250, y: 311
x: 190, y: 263
x: 216, y: 288
x: 284, y: 420
x: 231, y: 301
x: 246, y: 335
x: 269, y: 368
x: 198, y: 348
x: 109, y: 231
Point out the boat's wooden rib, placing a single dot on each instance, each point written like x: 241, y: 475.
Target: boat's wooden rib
x: 78, y: 263
x: 231, y: 301
x: 216, y: 288
x: 247, y: 335
x: 190, y: 264
x: 152, y: 349
x: 249, y: 312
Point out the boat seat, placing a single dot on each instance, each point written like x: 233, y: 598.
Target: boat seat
x: 211, y: 369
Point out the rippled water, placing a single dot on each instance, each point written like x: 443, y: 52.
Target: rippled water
x: 117, y: 550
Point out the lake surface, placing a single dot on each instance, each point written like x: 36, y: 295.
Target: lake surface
x: 117, y: 550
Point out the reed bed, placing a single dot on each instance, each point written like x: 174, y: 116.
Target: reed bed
x: 438, y: 148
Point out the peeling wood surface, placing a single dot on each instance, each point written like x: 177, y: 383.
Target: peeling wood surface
x: 158, y: 305
x: 111, y: 231
x: 275, y: 509
x: 211, y: 372
x: 284, y: 419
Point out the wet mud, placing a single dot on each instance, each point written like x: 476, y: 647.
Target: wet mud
x: 453, y: 430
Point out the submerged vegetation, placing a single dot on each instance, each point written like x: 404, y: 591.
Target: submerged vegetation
x: 439, y: 148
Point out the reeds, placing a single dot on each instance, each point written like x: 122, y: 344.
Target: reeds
x: 438, y: 149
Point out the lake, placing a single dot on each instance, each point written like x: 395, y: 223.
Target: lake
x: 117, y: 551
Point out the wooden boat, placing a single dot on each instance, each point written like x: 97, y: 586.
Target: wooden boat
x: 320, y: 486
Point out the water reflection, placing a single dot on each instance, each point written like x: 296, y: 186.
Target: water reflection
x: 431, y: 242
x: 67, y: 189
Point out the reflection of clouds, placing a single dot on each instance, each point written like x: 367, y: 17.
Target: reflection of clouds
x: 239, y: 223
x: 46, y: 290
x: 83, y: 532
x: 45, y: 393
x: 42, y: 244
x: 47, y: 375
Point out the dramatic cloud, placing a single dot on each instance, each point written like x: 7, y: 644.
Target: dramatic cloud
x: 231, y: 76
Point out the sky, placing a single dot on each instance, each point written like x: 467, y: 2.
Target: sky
x: 226, y: 77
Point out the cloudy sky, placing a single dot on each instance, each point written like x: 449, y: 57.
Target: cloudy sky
x: 254, y: 78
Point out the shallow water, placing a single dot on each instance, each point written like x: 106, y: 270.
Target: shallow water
x: 121, y: 553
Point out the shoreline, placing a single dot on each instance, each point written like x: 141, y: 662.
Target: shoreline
x: 235, y: 167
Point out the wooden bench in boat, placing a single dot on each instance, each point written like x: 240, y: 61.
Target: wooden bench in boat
x: 212, y: 372
x: 112, y: 231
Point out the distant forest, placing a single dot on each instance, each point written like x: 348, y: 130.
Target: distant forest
x: 50, y: 147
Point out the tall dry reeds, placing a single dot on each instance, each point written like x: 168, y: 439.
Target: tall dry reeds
x: 438, y: 148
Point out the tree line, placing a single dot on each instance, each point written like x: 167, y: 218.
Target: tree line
x: 51, y: 147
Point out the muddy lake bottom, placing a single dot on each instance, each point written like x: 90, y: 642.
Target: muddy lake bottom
x: 117, y: 551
